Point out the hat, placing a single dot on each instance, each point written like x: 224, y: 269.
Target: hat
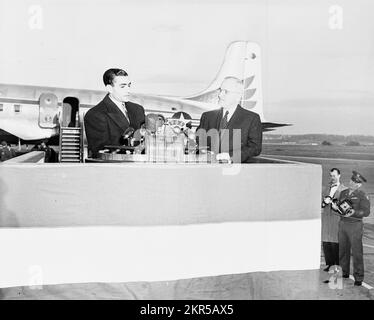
x: 357, y: 177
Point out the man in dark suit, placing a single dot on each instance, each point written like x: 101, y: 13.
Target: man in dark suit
x: 106, y: 122
x: 231, y: 130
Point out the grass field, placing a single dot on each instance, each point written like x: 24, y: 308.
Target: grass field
x: 345, y: 158
x: 338, y: 151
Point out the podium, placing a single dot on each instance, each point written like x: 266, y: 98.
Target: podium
x: 125, y: 222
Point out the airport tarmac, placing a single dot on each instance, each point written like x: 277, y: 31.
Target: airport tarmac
x: 294, y: 285
x: 329, y: 160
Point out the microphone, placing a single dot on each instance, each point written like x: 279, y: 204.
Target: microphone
x: 154, y: 121
x: 127, y: 135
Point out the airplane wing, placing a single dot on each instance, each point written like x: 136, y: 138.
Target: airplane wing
x: 270, y: 126
x: 27, y: 129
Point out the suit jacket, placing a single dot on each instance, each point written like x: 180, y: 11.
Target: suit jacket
x: 250, y: 139
x: 330, y: 218
x: 105, y: 123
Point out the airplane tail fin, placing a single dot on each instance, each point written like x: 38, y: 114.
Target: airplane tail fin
x: 243, y: 61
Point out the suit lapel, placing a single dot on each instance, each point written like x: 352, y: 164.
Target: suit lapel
x: 218, y: 118
x: 130, y: 113
x: 115, y: 114
x: 339, y: 191
x: 234, y: 120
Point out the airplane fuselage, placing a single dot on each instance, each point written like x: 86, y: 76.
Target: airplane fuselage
x: 26, y: 113
x: 35, y: 112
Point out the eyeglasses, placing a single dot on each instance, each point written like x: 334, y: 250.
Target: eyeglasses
x: 225, y: 91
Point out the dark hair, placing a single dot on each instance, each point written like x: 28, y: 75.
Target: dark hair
x: 335, y: 169
x: 110, y: 74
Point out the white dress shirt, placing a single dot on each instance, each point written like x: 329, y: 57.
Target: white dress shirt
x: 333, y: 189
x: 121, y: 106
x: 225, y: 155
x: 231, y: 112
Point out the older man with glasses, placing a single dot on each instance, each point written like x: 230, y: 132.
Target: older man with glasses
x: 228, y: 118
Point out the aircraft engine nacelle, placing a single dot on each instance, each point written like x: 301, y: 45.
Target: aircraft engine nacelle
x: 48, y: 110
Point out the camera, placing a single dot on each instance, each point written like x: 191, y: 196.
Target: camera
x: 345, y: 207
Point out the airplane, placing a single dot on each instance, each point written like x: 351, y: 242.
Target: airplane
x: 34, y: 113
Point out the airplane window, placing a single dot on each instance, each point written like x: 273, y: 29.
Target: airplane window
x: 1, y: 107
x: 17, y: 108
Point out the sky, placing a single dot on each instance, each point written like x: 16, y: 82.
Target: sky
x: 317, y: 55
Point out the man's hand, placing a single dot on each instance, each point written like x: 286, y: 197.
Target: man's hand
x: 139, y: 149
x: 326, y: 201
x: 223, y: 156
x: 334, y: 206
x: 350, y: 212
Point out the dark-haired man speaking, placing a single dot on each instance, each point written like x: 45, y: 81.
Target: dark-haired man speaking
x: 106, y: 122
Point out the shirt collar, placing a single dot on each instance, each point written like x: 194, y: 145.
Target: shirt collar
x: 116, y: 102
x: 230, y: 110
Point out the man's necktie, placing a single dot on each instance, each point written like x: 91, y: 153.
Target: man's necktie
x: 332, y: 186
x: 125, y: 111
x: 223, y: 123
